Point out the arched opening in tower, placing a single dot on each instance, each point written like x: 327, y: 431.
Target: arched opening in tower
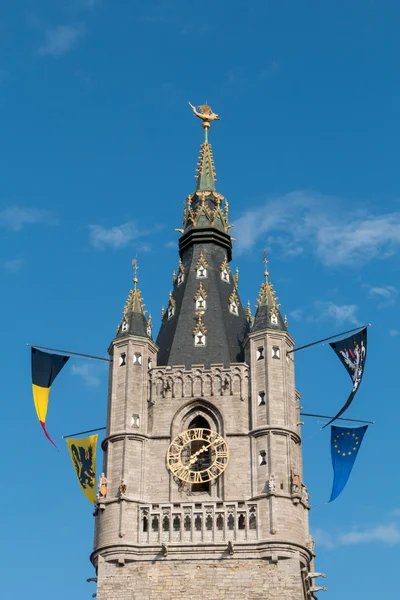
x: 204, y: 459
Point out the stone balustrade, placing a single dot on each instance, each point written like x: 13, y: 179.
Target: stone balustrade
x: 178, y: 382
x: 211, y: 522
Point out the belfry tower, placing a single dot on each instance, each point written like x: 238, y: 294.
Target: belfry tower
x: 205, y: 497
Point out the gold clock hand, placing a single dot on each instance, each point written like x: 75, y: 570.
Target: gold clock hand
x: 194, y: 456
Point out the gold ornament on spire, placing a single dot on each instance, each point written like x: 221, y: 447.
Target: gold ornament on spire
x: 201, y: 293
x: 248, y: 310
x: 199, y: 327
x: 206, y: 114
x: 201, y: 262
x: 236, y: 277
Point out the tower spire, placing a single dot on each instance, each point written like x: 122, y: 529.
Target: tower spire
x: 134, y: 320
x: 206, y: 171
x: 267, y: 314
x: 205, y: 285
x: 206, y: 176
x: 205, y: 216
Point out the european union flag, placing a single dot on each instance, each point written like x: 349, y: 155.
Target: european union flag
x: 345, y: 445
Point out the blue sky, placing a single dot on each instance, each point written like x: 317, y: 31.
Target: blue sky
x: 98, y: 153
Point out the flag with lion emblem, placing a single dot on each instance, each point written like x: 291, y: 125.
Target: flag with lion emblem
x: 83, y: 456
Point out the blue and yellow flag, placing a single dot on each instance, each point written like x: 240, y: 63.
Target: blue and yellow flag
x: 345, y: 445
x: 83, y: 456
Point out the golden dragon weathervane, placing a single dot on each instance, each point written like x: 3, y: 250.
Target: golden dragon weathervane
x: 206, y: 115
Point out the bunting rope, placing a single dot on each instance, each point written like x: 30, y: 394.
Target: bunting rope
x: 331, y: 337
x: 68, y: 352
x: 338, y: 419
x: 82, y: 432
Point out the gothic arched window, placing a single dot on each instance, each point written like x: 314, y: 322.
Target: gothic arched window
x: 166, y: 523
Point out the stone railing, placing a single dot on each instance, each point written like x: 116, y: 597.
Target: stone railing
x: 178, y: 382
x: 191, y: 523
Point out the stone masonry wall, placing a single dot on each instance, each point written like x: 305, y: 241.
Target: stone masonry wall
x: 206, y: 580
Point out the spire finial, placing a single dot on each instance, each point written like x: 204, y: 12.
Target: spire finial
x: 265, y: 261
x: 267, y: 293
x: 134, y: 304
x: 207, y: 116
x: 135, y: 270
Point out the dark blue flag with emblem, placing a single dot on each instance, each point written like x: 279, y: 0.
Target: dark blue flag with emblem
x: 345, y: 445
x: 352, y: 352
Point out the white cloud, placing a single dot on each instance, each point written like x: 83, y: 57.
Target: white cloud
x: 13, y: 265
x: 323, y: 538
x: 115, y: 237
x: 387, y: 291
x: 386, y: 534
x: 394, y: 332
x: 16, y: 217
x: 120, y: 236
x: 327, y: 311
x: 271, y: 69
x: 296, y: 314
x: 386, y: 294
x: 341, y: 313
x: 88, y: 373
x: 171, y: 244
x: 307, y: 219
x: 61, y: 39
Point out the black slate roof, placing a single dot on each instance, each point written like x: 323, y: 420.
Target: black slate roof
x: 226, y: 332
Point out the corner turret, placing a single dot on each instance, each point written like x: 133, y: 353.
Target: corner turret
x: 268, y: 315
x: 134, y: 320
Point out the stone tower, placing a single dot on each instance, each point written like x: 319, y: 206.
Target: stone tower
x: 205, y: 496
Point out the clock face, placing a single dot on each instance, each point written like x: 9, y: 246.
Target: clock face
x: 197, y: 455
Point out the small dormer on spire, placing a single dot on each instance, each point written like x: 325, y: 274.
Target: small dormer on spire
x: 267, y: 315
x: 200, y: 331
x: 171, y: 306
x: 134, y: 320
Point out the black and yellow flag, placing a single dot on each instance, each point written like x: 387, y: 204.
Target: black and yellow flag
x: 45, y: 368
x: 83, y: 456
